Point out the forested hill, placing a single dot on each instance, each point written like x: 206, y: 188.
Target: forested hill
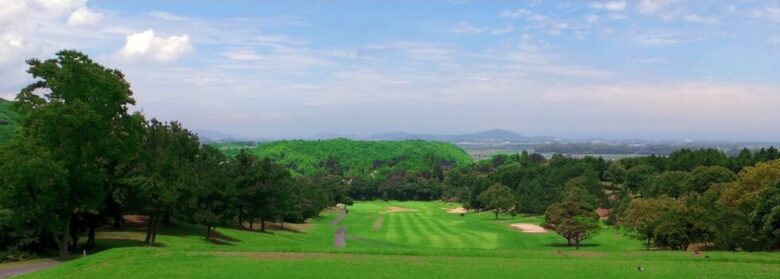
x: 356, y: 158
x: 7, y: 120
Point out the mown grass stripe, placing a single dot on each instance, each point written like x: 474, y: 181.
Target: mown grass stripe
x: 434, y: 234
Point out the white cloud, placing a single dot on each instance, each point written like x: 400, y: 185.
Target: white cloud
x: 699, y: 19
x: 146, y: 45
x: 773, y: 14
x: 610, y: 5
x: 84, y: 17
x: 649, y: 7
x: 10, y: 45
x: 498, y: 31
x: 243, y: 55
x: 166, y: 16
x: 514, y: 14
x: 662, y: 39
x: 466, y: 28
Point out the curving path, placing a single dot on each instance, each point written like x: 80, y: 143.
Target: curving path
x: 339, y: 239
x: 26, y: 268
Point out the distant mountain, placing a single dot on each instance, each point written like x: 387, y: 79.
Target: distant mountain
x: 208, y: 136
x: 489, y: 136
x: 492, y: 135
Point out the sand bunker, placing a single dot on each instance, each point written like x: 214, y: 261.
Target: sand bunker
x: 457, y: 210
x: 394, y: 209
x: 529, y: 228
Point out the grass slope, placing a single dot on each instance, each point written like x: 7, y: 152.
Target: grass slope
x: 7, y: 121
x: 356, y: 158
x: 424, y: 243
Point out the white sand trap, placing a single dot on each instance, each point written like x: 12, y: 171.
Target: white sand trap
x: 457, y: 210
x: 529, y: 228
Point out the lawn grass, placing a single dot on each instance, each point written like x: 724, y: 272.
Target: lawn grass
x: 427, y: 242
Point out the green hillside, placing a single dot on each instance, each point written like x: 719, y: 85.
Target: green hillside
x: 355, y: 158
x: 7, y: 120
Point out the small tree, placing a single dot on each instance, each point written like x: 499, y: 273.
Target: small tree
x: 578, y: 228
x: 498, y: 198
x: 573, y: 218
x: 644, y: 215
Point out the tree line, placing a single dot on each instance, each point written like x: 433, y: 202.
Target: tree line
x: 80, y: 159
x: 701, y: 197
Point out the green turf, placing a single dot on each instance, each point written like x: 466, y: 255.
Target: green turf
x: 425, y: 243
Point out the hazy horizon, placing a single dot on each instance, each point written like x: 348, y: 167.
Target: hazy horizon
x: 651, y: 70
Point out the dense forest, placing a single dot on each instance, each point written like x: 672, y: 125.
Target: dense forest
x: 79, y: 159
x: 356, y: 158
x: 7, y: 121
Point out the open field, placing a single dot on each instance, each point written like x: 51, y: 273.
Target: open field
x: 399, y: 240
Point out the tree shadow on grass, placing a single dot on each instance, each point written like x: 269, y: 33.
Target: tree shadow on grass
x: 273, y: 227
x: 104, y: 244
x: 218, y: 238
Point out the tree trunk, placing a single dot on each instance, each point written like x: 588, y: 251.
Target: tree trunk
x: 118, y: 222
x: 648, y: 244
x: 208, y: 232
x: 154, y: 231
x: 62, y: 241
x: 496, y: 214
x: 74, y: 236
x: 240, y: 217
x: 262, y: 224
x: 251, y: 223
x: 569, y: 241
x: 577, y: 244
x: 149, y: 229
x: 91, y: 236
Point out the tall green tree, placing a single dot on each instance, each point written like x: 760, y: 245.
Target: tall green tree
x: 210, y: 195
x: 163, y: 172
x: 77, y: 110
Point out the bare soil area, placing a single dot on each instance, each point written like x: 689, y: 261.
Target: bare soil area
x: 529, y: 228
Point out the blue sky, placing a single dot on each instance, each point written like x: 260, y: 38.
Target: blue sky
x: 652, y: 69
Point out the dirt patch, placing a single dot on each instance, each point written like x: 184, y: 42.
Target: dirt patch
x: 139, y: 220
x: 529, y: 228
x: 395, y: 209
x: 603, y: 212
x: 378, y: 223
x: 456, y: 210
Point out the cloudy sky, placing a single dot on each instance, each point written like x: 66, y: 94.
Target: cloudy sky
x: 652, y: 69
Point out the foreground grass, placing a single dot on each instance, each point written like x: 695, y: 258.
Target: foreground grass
x: 422, y: 242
